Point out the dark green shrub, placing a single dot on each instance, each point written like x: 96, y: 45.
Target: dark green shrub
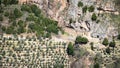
x: 91, y: 8
x: 35, y: 10
x: 3, y: 28
x: 31, y: 17
x: 52, y: 29
x: 9, y: 2
x: 14, y: 23
x: 1, y: 18
x: 1, y: 9
x: 96, y: 65
x: 108, y: 50
x: 80, y: 4
x: 84, y: 9
x: 119, y: 36
x: 94, y: 17
x: 26, y: 8
x: 21, y: 23
x: 17, y: 13
x: 10, y: 30
x: 112, y: 44
x: 21, y: 30
x: 12, y: 16
x: 92, y: 48
x: 105, y: 42
x: 70, y: 49
x: 6, y: 14
x: 81, y: 40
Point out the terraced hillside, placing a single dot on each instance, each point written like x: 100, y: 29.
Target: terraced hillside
x: 32, y: 52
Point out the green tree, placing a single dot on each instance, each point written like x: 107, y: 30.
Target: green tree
x: 96, y: 65
x: 0, y: 57
x: 10, y: 30
x: 9, y: 2
x: 108, y: 50
x: 14, y: 23
x: 35, y: 10
x: 1, y: 18
x: 21, y: 30
x: 105, y: 42
x: 81, y: 40
x: 91, y: 8
x: 84, y: 9
x: 94, y: 17
x: 26, y: 8
x: 119, y: 36
x: 3, y: 28
x: 6, y: 14
x: 92, y: 48
x: 21, y: 23
x: 17, y: 13
x: 70, y: 49
x: 80, y: 4
x: 112, y: 44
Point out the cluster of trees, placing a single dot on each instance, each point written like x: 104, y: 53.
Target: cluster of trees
x: 41, y: 25
x: 16, y: 13
x: 81, y: 40
x: 85, y: 8
x: 15, y: 28
x: 111, y: 44
x: 9, y: 2
x: 106, y: 42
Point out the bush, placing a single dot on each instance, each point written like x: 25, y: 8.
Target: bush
x: 70, y: 49
x: 21, y: 23
x: 81, y: 40
x: 10, y: 30
x: 91, y: 8
x: 35, y: 10
x: 12, y: 16
x: 112, y: 44
x: 17, y: 13
x: 21, y: 30
x: 52, y: 29
x: 1, y: 18
x: 96, y: 65
x: 80, y: 4
x: 108, y: 50
x: 3, y: 28
x: 31, y: 17
x: 94, y: 17
x: 26, y: 8
x: 14, y: 23
x: 105, y: 42
x: 119, y: 36
x: 84, y: 9
x: 9, y: 2
x: 92, y: 48
x: 6, y: 14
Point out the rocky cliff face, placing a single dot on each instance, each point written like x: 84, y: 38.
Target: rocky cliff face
x: 65, y: 10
